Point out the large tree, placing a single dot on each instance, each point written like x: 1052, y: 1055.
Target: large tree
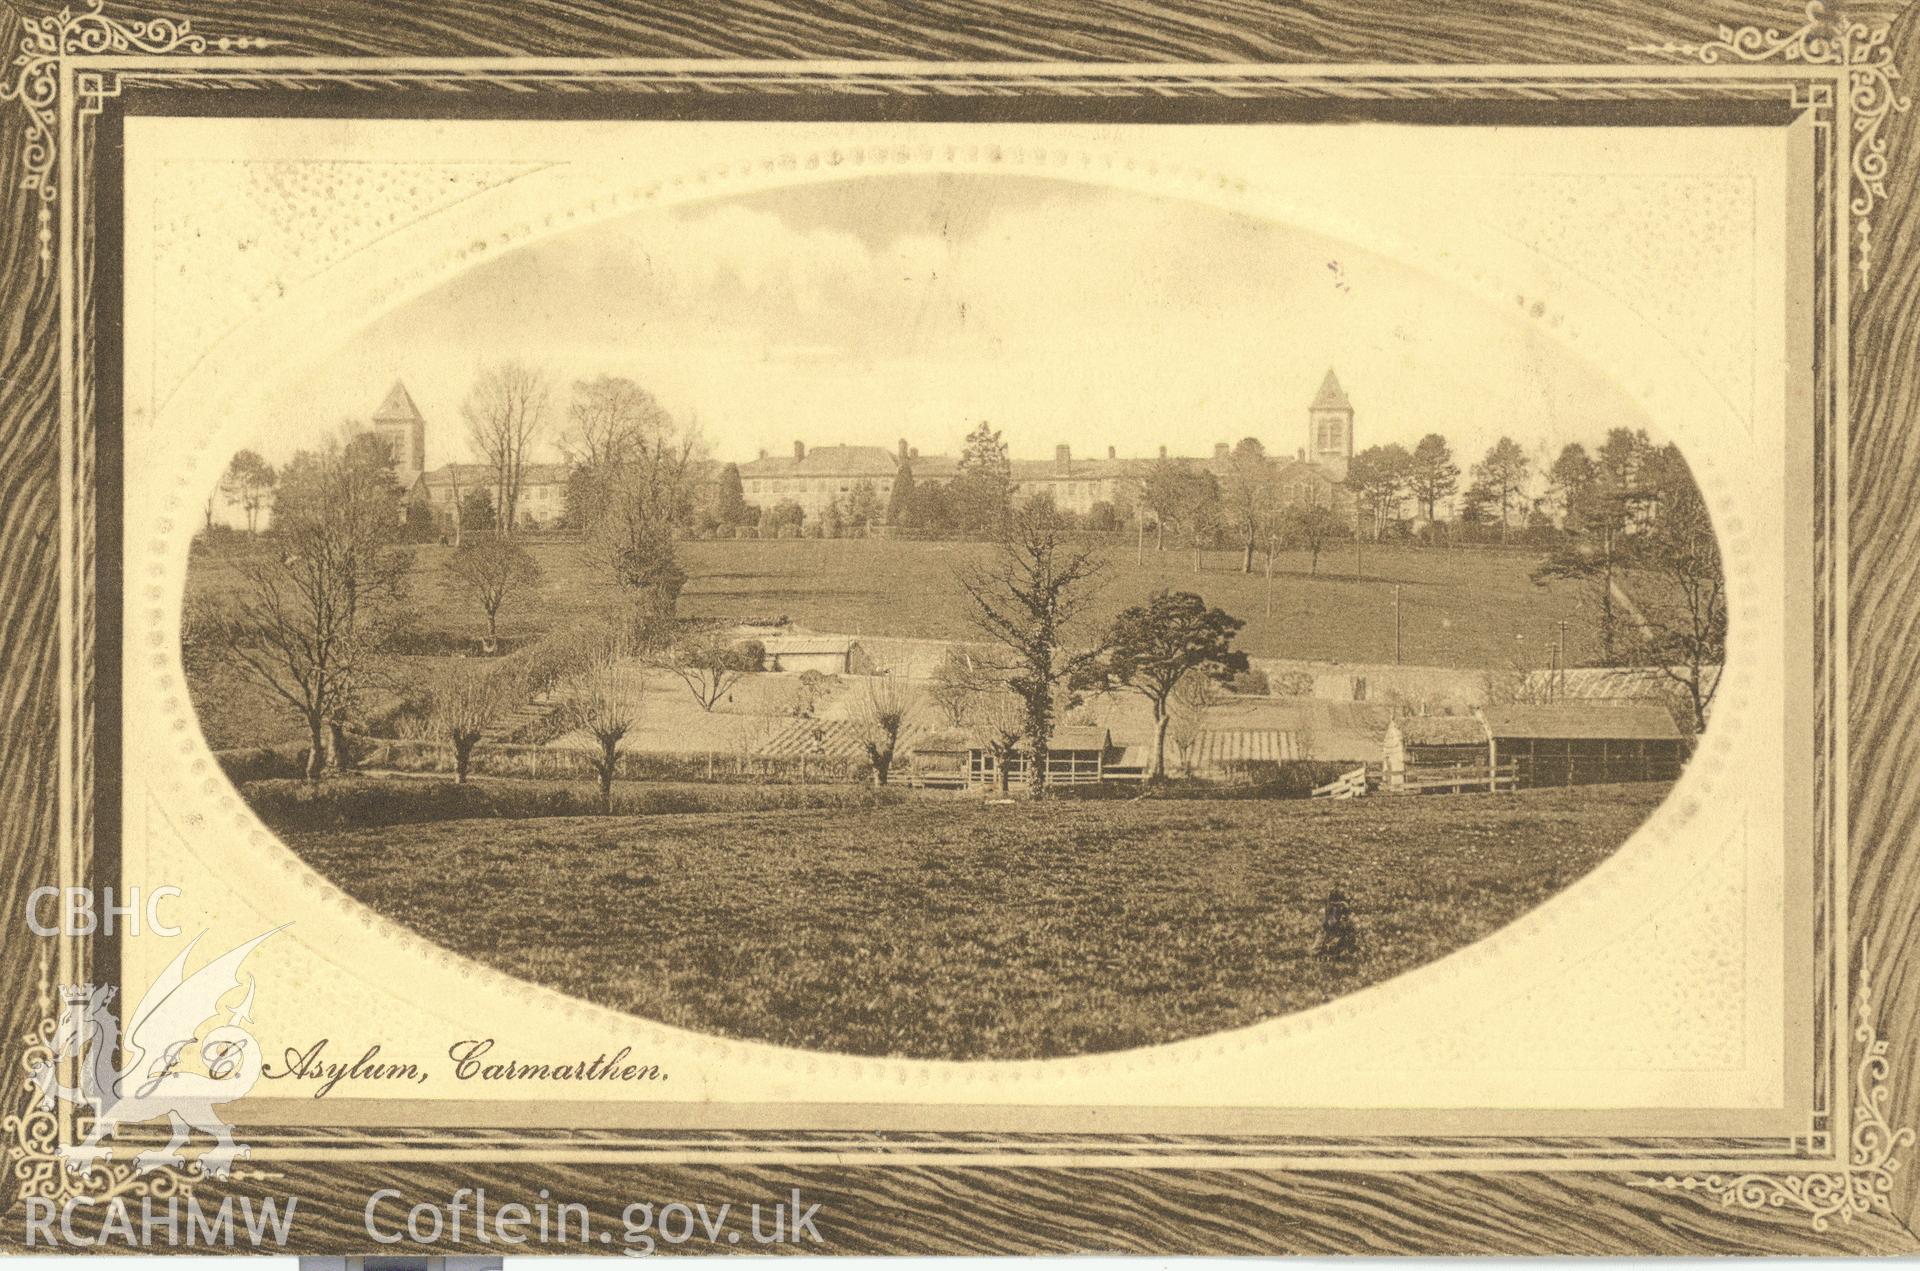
x: 1172, y: 491
x: 493, y: 574
x: 316, y: 603
x: 607, y: 417
x: 730, y: 498
x: 1248, y: 495
x: 709, y: 663
x: 506, y: 411
x: 1311, y: 526
x: 1432, y: 475
x: 636, y: 505
x: 901, y: 503
x: 1504, y: 474
x: 1152, y: 647
x: 1680, y: 589
x: 1570, y: 480
x: 1031, y: 598
x: 863, y: 505
x: 981, y: 493
x: 248, y: 484
x: 1378, y: 477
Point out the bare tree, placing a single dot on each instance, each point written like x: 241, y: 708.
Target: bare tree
x: 1246, y: 494
x: 1312, y: 526
x: 315, y: 605
x: 709, y: 664
x: 505, y: 412
x: 634, y: 504
x: 608, y: 419
x: 1187, y: 716
x: 957, y: 680
x: 1030, y: 598
x: 999, y: 722
x: 1681, y: 625
x: 603, y: 700
x: 494, y: 573
x: 467, y: 697
x: 883, y: 717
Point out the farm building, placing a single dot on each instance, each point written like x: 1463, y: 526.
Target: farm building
x: 1557, y: 745
x: 829, y: 655
x: 1075, y: 756
x: 1570, y: 744
x: 1436, y: 741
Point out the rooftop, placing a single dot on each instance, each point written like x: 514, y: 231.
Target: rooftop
x: 826, y: 461
x: 1442, y: 730
x: 1331, y: 396
x: 1584, y: 721
x: 397, y: 406
x: 807, y: 643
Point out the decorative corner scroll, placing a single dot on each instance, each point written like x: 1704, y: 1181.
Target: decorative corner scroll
x: 1861, y: 1187
x: 31, y: 1149
x: 33, y: 1155
x: 35, y: 81
x: 1871, y: 91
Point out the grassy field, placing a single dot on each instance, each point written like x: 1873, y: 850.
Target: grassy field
x: 960, y: 929
x: 1466, y: 608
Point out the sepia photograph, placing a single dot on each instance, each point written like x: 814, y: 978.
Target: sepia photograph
x: 819, y: 630
x: 953, y: 617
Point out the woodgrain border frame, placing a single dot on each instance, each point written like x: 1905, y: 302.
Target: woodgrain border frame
x: 1840, y: 72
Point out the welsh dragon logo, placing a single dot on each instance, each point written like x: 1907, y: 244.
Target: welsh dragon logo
x: 158, y: 1079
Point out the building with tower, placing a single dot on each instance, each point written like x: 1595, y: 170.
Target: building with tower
x: 400, y: 424
x: 817, y: 478
x: 1330, y: 428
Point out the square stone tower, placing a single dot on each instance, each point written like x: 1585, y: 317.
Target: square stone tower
x: 1330, y: 427
x: 399, y: 421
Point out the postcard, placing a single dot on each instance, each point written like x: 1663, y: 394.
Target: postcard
x: 630, y: 655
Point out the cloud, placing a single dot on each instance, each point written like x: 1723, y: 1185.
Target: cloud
x: 1068, y: 314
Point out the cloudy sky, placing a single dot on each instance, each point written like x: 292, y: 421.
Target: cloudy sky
x: 914, y: 306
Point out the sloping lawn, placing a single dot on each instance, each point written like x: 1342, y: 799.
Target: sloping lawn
x: 963, y: 930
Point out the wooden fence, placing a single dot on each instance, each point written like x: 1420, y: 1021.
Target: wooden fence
x: 1435, y: 779
x: 1348, y: 785
x: 1453, y: 779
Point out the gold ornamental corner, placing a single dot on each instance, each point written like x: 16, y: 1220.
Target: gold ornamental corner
x: 1860, y: 1187
x: 34, y: 1161
x: 35, y: 81
x: 31, y: 1149
x: 1872, y: 91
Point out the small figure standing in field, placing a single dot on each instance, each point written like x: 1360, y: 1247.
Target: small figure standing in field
x: 1339, y: 938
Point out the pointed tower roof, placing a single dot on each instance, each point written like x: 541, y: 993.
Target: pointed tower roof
x: 397, y: 407
x: 1330, y: 397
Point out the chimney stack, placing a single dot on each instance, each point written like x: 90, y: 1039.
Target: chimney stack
x: 1163, y: 452
x: 799, y: 450
x: 1301, y: 454
x: 903, y: 450
x: 763, y: 452
x: 1112, y: 453
x: 913, y: 453
x: 1221, y: 450
x: 1062, y: 458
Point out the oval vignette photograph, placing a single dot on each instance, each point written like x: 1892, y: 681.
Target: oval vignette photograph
x: 953, y: 616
